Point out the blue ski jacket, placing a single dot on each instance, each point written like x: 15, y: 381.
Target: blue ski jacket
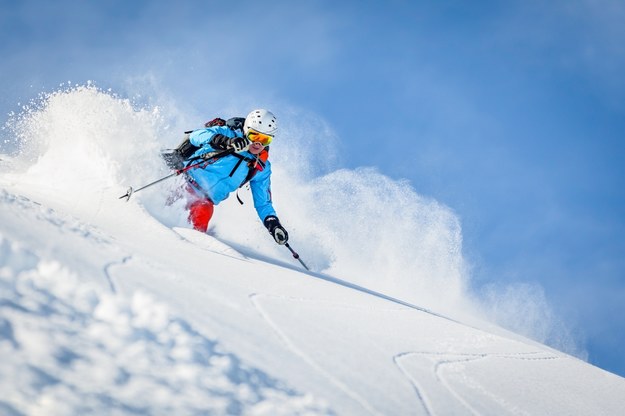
x: 219, y: 178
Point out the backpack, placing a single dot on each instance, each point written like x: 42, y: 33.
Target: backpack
x: 235, y: 123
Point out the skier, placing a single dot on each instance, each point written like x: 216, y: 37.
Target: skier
x: 236, y: 152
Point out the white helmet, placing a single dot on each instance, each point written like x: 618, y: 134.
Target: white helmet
x: 262, y: 121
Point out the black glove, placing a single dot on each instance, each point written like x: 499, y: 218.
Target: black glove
x: 276, y: 230
x: 239, y: 143
x: 222, y: 142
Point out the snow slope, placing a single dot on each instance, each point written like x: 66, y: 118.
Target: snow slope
x: 108, y: 307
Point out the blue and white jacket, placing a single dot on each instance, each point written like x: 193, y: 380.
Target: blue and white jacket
x: 214, y: 181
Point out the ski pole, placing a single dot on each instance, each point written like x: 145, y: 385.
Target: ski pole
x: 296, y: 256
x: 207, y: 159
x: 131, y: 191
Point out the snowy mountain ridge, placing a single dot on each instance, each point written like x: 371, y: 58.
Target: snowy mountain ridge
x: 108, y: 307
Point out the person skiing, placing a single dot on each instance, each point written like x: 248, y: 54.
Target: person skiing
x: 236, y: 152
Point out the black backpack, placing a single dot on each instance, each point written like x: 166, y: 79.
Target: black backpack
x: 235, y: 123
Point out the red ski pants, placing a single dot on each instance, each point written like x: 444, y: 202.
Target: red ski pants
x: 200, y: 213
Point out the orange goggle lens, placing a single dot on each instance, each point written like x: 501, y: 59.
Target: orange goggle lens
x: 257, y: 136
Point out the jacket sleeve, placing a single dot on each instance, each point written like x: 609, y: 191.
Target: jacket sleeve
x: 220, y: 142
x: 211, y: 135
x: 211, y: 138
x: 261, y: 192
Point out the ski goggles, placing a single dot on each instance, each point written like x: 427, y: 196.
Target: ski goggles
x: 256, y: 136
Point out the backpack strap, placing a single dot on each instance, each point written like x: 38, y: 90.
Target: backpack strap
x: 254, y: 164
x: 259, y: 164
x: 241, y: 159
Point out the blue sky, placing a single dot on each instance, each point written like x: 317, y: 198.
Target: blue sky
x: 511, y: 113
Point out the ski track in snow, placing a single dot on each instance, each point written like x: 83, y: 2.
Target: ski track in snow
x: 107, y: 273
x: 419, y: 391
x: 437, y: 379
x: 442, y: 360
x: 254, y: 299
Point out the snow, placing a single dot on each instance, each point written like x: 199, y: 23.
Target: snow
x: 113, y: 307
